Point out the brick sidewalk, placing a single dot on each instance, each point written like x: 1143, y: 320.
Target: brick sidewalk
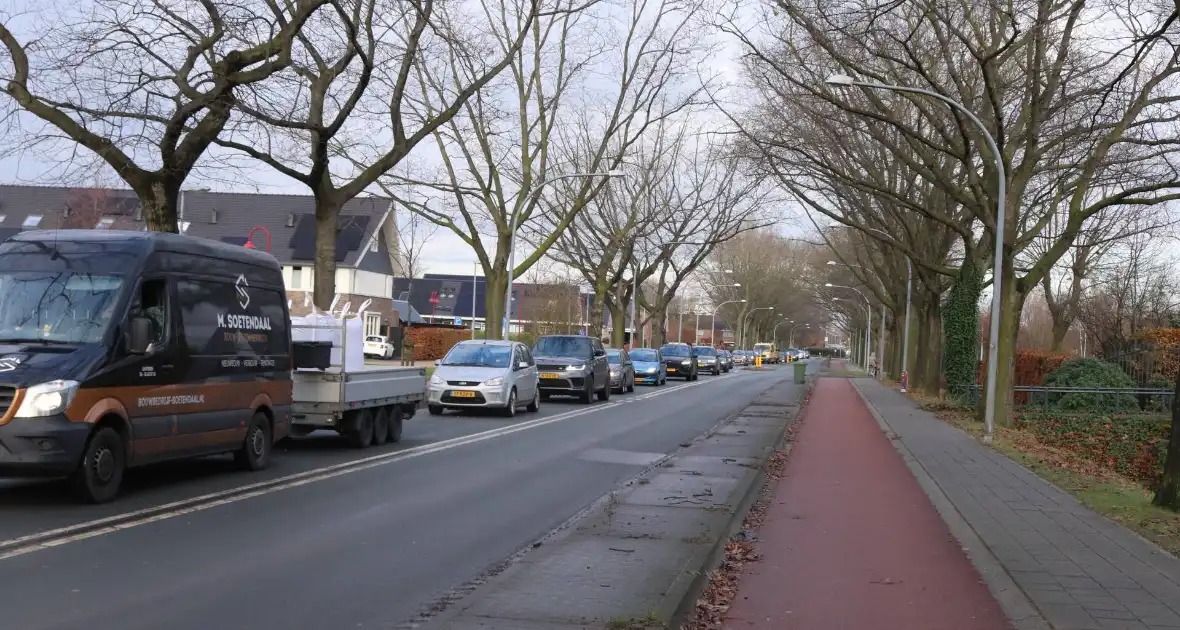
x: 851, y: 542
x: 1080, y: 570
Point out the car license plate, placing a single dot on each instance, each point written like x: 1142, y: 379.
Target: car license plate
x: 671, y: 369
x: 550, y: 375
x: 462, y: 394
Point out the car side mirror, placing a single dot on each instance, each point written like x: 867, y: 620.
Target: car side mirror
x: 139, y: 335
x: 522, y: 365
x: 437, y: 362
x: 600, y: 353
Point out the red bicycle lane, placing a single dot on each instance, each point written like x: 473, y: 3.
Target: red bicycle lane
x: 850, y: 540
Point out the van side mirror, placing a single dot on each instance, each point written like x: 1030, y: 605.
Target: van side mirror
x: 599, y: 352
x: 139, y: 335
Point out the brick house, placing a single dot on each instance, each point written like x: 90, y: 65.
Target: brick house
x: 366, y: 245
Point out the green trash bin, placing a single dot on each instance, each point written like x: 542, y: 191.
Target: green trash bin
x: 800, y: 371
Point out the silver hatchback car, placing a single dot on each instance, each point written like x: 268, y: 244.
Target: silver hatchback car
x: 479, y: 374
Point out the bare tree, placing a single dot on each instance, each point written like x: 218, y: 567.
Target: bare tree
x: 349, y: 112
x: 413, y: 233
x: 575, y: 101
x: 1076, y: 116
x: 140, y: 86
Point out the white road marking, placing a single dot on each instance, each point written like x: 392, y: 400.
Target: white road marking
x: 99, y: 527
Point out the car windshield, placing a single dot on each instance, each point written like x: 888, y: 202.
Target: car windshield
x: 706, y: 352
x: 614, y: 356
x: 675, y: 351
x: 562, y: 347
x: 479, y: 355
x: 57, y: 306
x: 762, y: 347
x: 644, y: 354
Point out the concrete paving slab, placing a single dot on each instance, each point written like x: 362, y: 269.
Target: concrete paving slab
x: 768, y: 410
x: 762, y: 434
x: 767, y: 420
x: 587, y: 579
x: 733, y: 451
x: 673, y: 490
x: 645, y: 521
x: 701, y: 466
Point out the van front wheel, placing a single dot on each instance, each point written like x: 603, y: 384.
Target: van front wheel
x: 254, y: 453
x: 100, y: 473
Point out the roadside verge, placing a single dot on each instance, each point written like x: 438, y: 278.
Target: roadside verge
x: 637, y: 558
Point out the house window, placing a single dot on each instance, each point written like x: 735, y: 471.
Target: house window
x: 2, y: 217
x: 296, y: 277
x: 32, y: 221
x: 184, y: 226
x: 373, y: 244
x: 104, y: 223
x: 372, y: 324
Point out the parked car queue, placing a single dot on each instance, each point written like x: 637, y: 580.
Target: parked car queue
x: 507, y: 376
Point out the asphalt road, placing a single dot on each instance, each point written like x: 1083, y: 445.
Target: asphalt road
x: 365, y: 549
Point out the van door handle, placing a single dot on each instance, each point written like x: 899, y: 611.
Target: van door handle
x: 167, y: 367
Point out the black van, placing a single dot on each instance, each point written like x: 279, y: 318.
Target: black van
x: 120, y: 349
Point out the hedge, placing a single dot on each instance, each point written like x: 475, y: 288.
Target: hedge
x: 430, y: 344
x: 1090, y: 373
x: 1031, y: 368
x: 1132, y: 445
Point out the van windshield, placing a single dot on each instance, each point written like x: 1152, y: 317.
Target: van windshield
x: 56, y: 306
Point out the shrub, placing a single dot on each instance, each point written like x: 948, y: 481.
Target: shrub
x: 1131, y: 445
x: 430, y: 344
x: 1031, y: 368
x: 1091, y: 374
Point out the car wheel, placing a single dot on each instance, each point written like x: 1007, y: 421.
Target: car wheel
x: 380, y: 426
x: 587, y: 396
x: 255, y: 450
x: 100, y: 473
x: 435, y: 410
x: 535, y: 405
x: 604, y: 393
x: 510, y: 408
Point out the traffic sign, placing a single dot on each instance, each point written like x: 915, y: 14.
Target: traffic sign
x: 458, y: 321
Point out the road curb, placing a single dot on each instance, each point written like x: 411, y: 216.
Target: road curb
x: 1017, y: 607
x: 705, y: 562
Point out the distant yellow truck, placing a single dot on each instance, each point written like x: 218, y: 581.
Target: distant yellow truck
x: 767, y: 351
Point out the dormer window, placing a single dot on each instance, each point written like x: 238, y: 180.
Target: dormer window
x: 32, y: 221
x: 104, y: 223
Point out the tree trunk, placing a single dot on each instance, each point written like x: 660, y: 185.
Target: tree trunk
x: 960, y: 325
x: 158, y: 199
x: 1011, y: 305
x: 660, y: 322
x: 1061, y: 325
x: 497, y: 288
x: 1167, y: 493
x: 618, y: 324
x: 597, y: 311
x: 930, y: 352
x: 327, y: 227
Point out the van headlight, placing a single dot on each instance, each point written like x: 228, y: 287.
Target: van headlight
x: 47, y: 399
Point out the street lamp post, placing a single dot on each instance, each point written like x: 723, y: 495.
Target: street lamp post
x: 512, y: 226
x: 747, y: 316
x: 868, y: 319
x: 993, y: 354
x: 774, y: 331
x: 713, y: 326
x: 881, y: 332
x: 791, y: 339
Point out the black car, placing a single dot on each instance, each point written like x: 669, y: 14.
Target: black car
x: 680, y: 360
x: 622, y: 371
x: 726, y: 360
x: 707, y: 359
x: 572, y: 365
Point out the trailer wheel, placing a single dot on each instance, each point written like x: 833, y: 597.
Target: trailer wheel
x: 360, y: 430
x: 395, y: 425
x: 380, y: 425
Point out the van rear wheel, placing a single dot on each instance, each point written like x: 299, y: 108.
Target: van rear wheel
x: 360, y: 430
x: 100, y: 473
x: 254, y: 453
x: 380, y: 426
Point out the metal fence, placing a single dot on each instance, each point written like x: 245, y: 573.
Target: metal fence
x: 1043, y: 398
